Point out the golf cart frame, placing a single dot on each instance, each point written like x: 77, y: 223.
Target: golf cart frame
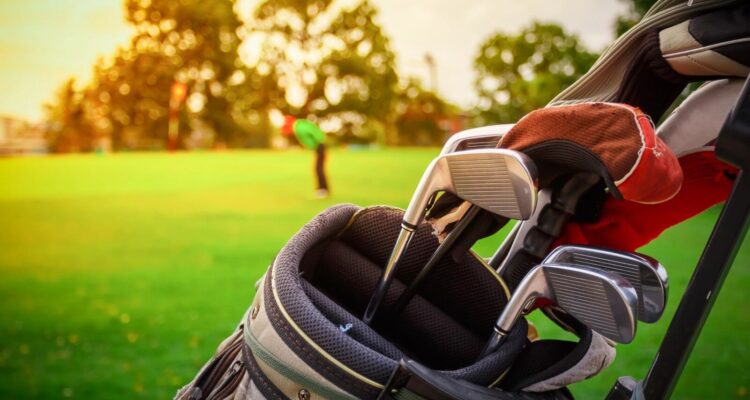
x: 733, y: 147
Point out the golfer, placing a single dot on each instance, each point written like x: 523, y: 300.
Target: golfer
x: 311, y: 136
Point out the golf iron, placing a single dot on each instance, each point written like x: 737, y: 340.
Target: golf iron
x: 648, y: 276
x: 500, y: 181
x: 476, y: 138
x: 601, y: 300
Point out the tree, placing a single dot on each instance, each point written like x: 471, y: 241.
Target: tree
x: 331, y: 65
x: 520, y: 73
x: 636, y: 10
x: 192, y: 41
x: 422, y: 117
x: 68, y: 129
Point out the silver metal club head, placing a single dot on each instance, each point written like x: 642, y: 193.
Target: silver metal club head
x: 504, y: 182
x: 485, y: 137
x: 500, y: 181
x: 603, y: 301
x: 648, y: 276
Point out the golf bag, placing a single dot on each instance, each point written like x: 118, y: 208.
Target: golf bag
x: 301, y: 337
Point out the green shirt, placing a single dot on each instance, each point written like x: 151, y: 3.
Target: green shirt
x: 308, y: 133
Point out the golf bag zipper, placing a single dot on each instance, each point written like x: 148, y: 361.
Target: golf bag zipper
x: 230, y: 381
x: 223, y: 363
x: 214, y: 372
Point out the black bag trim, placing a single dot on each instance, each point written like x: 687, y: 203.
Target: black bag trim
x: 734, y: 26
x: 421, y: 381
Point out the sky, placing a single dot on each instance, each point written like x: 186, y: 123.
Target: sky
x: 45, y: 42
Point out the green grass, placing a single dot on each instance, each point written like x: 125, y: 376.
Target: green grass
x: 119, y: 275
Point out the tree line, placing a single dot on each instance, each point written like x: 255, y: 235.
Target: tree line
x: 309, y: 58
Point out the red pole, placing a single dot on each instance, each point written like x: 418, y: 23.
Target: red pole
x: 178, y: 93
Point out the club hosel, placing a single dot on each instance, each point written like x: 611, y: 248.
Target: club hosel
x: 409, y: 227
x: 500, y: 331
x: 497, y: 338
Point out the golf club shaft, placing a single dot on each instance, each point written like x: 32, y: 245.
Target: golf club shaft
x: 493, y: 344
x: 444, y: 247
x: 402, y: 242
x: 504, y: 248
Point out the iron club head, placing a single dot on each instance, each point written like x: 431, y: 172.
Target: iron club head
x: 648, y: 276
x: 501, y: 181
x: 603, y: 301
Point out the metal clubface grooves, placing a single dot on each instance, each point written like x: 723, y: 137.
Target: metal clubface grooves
x: 472, y: 178
x: 575, y: 294
x: 627, y: 270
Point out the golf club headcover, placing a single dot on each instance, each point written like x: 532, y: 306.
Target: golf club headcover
x: 615, y: 140
x: 707, y: 181
x: 667, y: 60
x: 697, y: 121
x: 550, y: 364
x: 627, y: 225
x: 675, y: 43
x: 710, y: 45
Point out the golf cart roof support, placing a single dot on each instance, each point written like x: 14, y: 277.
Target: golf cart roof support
x: 733, y: 146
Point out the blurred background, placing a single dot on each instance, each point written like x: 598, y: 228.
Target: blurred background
x: 131, y: 249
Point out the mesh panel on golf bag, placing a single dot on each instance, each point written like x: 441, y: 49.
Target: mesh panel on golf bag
x: 302, y: 335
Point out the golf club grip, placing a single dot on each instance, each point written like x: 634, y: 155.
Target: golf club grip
x: 444, y: 247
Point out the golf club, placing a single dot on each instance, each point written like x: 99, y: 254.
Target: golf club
x: 500, y: 181
x: 603, y: 301
x: 483, y: 137
x: 648, y: 276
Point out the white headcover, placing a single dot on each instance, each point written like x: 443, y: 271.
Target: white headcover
x: 598, y: 357
x: 697, y: 121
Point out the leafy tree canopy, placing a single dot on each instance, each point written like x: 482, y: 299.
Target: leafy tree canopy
x: 520, y: 73
x: 636, y: 10
x: 328, y: 64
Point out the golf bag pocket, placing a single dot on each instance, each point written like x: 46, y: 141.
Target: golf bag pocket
x: 223, y: 376
x: 303, y: 337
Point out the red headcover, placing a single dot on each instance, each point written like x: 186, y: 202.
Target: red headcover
x: 627, y: 225
x: 621, y: 137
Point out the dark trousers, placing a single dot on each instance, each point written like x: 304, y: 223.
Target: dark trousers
x: 320, y: 163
